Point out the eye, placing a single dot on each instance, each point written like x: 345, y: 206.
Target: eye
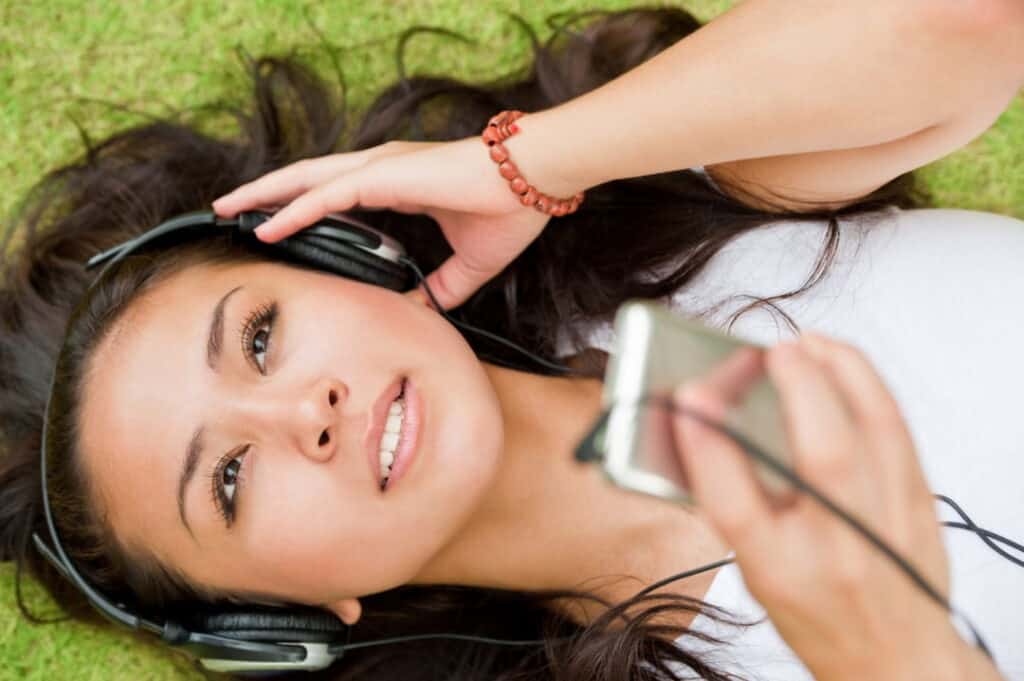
x: 259, y: 347
x: 227, y: 481
x: 229, y: 478
x: 255, y: 335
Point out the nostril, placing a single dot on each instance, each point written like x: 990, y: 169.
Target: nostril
x: 324, y: 438
x: 332, y: 397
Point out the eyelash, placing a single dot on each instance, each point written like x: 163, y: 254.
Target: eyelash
x: 264, y: 315
x: 226, y: 507
x: 261, y: 317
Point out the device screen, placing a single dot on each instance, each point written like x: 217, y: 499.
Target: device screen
x: 656, y: 350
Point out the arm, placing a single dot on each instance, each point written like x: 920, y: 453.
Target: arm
x: 940, y: 656
x: 975, y: 666
x: 817, y: 100
x: 835, y: 98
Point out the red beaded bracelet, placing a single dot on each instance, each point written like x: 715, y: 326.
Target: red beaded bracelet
x: 500, y: 128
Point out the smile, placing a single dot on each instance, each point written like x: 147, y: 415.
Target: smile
x: 391, y: 442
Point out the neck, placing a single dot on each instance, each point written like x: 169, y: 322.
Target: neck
x: 550, y: 522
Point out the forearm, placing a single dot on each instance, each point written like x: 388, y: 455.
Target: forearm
x: 770, y: 77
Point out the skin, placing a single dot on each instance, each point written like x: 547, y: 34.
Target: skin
x: 493, y: 497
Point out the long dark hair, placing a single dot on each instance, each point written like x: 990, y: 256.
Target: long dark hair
x: 581, y: 271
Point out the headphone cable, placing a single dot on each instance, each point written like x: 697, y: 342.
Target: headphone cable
x: 341, y: 648
x: 562, y: 369
x: 986, y: 536
x: 752, y: 451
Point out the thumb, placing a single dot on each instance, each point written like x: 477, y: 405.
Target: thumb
x: 455, y: 281
x: 720, y: 476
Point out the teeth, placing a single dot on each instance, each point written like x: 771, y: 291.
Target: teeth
x: 386, y: 459
x: 389, y: 439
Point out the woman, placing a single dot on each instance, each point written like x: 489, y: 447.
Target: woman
x: 494, y: 523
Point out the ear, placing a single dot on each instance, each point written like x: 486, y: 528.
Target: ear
x: 348, y: 610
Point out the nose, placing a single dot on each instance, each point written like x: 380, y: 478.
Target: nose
x: 306, y: 419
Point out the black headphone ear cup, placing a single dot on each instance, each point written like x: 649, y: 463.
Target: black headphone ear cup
x: 284, y: 626
x: 348, y: 261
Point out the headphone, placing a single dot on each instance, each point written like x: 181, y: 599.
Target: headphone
x: 257, y: 640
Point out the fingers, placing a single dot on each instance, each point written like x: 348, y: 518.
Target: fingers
x: 339, y: 195
x: 889, y: 442
x: 720, y: 474
x: 864, y: 389
x: 732, y: 378
x: 822, y: 432
x: 281, y: 186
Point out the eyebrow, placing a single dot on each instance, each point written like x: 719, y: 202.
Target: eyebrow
x: 194, y: 450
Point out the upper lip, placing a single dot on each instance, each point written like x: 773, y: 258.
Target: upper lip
x: 375, y: 428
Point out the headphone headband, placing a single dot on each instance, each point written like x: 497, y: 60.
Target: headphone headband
x: 334, y: 226
x: 338, y: 243
x: 299, y: 638
x: 310, y: 639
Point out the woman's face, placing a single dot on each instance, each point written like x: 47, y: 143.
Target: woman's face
x: 266, y: 413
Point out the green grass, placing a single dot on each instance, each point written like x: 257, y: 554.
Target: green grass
x: 60, y: 60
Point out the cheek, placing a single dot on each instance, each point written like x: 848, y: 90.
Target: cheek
x: 312, y: 530
x: 316, y: 532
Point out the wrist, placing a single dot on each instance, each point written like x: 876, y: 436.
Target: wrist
x: 940, y: 655
x: 547, y: 157
x: 971, y: 664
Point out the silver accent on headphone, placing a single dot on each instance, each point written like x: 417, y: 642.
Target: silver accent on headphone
x: 317, y: 657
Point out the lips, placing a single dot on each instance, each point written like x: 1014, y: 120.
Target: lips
x: 378, y: 419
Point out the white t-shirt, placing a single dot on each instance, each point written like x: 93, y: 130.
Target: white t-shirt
x: 935, y: 299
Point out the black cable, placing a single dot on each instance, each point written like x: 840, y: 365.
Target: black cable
x: 503, y: 642
x: 982, y: 532
x: 457, y: 637
x: 986, y: 536
x: 683, y: 575
x: 753, y: 451
x: 986, y: 533
x: 117, y: 612
x: 469, y: 327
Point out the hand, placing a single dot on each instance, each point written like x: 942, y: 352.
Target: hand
x: 455, y: 183
x: 839, y: 603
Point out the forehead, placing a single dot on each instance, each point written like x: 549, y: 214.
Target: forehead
x: 140, y: 392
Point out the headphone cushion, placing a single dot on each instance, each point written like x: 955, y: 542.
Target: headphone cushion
x: 286, y: 626
x: 355, y: 264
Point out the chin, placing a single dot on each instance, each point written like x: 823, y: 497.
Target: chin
x: 473, y: 445
x: 466, y: 444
